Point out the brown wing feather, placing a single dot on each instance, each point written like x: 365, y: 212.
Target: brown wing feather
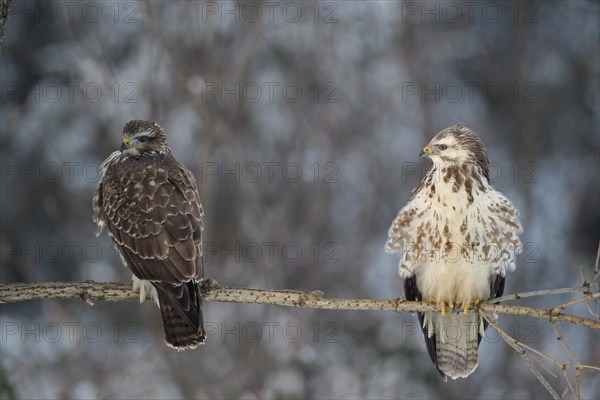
x: 154, y: 215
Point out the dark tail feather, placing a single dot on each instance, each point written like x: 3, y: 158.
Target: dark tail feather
x: 412, y: 293
x: 181, y: 309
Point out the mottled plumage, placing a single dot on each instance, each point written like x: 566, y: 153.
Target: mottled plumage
x: 457, y: 237
x: 150, y: 204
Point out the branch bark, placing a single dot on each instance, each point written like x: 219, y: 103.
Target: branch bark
x: 91, y: 291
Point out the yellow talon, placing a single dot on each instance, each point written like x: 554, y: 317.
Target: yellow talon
x: 442, y: 304
x: 466, y: 305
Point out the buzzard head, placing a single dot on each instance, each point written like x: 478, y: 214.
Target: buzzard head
x: 143, y: 136
x: 457, y: 146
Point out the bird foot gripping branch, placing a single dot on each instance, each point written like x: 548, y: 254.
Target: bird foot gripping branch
x: 209, y: 284
x: 456, y: 306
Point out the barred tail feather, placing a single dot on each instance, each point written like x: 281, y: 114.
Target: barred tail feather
x: 180, y: 333
x: 457, y: 343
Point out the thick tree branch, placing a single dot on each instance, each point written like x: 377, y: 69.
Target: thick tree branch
x: 91, y: 291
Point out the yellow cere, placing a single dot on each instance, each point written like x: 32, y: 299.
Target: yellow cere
x: 126, y: 141
x: 426, y: 149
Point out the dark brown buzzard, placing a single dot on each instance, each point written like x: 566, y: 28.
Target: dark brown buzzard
x: 151, y: 206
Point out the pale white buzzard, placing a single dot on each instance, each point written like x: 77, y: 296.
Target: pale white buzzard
x: 457, y: 237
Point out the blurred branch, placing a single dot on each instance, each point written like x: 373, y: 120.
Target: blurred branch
x: 4, y: 14
x: 597, y: 263
x: 211, y: 291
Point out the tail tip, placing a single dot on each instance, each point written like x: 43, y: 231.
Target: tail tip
x: 186, y: 343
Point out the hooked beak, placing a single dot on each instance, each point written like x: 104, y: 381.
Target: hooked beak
x: 425, y: 152
x: 124, y: 145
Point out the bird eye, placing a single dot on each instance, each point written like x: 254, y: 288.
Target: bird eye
x: 443, y: 147
x: 143, y: 139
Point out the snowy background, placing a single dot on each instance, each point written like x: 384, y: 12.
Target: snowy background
x: 302, y: 122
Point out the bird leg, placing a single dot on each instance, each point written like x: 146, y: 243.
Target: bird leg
x: 442, y: 304
x: 145, y: 288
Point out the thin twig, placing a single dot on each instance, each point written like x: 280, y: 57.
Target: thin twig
x: 568, y: 304
x: 550, y: 315
x: 516, y: 345
x: 564, y: 344
x: 555, y: 361
x: 587, y: 290
x: 535, y: 293
x: 545, y: 368
x: 597, y: 263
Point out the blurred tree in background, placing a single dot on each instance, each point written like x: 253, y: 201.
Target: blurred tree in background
x: 303, y: 122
